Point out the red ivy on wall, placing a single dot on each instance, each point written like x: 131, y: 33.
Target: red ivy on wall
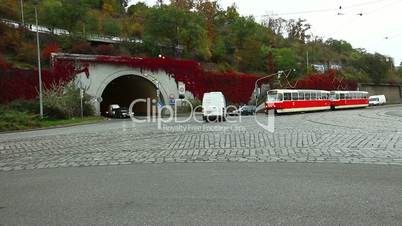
x: 49, y: 49
x: 325, y: 81
x: 237, y: 88
x: 23, y: 84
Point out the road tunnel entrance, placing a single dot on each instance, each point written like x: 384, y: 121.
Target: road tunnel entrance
x: 126, y: 89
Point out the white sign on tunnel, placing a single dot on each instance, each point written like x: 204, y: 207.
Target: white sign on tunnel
x: 182, y: 90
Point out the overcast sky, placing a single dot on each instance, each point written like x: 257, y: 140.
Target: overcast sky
x: 379, y: 29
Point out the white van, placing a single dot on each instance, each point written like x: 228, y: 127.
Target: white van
x: 377, y: 100
x: 213, y: 107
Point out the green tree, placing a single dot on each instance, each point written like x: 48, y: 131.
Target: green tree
x: 112, y: 27
x: 91, y: 22
x: 284, y: 58
x: 168, y: 27
x: 376, y: 66
x: 137, y: 10
x: 71, y: 14
x: 340, y: 46
x: 297, y: 29
x: 52, y: 9
x: 252, y: 57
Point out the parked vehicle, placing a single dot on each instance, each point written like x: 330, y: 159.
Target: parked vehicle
x: 122, y: 113
x: 377, y: 100
x: 244, y: 110
x: 115, y: 111
x: 112, y: 110
x: 214, y: 107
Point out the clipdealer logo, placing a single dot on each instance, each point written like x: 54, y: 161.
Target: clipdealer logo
x: 165, y: 115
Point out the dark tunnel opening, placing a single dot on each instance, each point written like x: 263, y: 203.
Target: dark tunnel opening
x: 126, y: 89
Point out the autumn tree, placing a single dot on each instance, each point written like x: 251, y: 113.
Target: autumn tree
x: 183, y: 4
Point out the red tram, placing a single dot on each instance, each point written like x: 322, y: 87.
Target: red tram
x: 349, y: 99
x: 289, y: 100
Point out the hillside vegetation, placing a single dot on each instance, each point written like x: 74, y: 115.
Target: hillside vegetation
x: 201, y: 30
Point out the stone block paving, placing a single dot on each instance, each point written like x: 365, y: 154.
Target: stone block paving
x: 370, y: 136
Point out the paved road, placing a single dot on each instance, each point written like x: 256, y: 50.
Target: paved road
x: 204, y: 194
x: 208, y: 174
x: 372, y: 135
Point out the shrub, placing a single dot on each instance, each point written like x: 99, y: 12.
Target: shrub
x: 104, y: 49
x: 63, y: 102
x: 27, y: 53
x: 27, y: 106
x: 49, y: 49
x: 82, y: 47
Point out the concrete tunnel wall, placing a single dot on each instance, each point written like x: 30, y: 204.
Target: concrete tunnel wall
x: 101, y: 75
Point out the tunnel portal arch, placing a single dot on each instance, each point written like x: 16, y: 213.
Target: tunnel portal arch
x: 123, y: 88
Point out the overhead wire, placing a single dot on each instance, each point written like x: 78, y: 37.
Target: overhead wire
x: 327, y: 9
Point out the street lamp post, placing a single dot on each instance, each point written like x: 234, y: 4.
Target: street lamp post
x: 39, y: 64
x: 22, y: 12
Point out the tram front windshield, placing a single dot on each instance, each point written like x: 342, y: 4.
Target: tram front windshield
x: 274, y: 96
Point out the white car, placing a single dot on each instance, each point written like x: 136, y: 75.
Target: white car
x: 377, y: 100
x: 213, y: 107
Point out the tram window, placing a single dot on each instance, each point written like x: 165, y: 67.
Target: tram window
x: 287, y: 96
x: 337, y: 96
x: 295, y: 96
x: 280, y: 97
x: 324, y: 96
x: 313, y: 96
x: 301, y: 96
x: 342, y: 96
x: 307, y: 96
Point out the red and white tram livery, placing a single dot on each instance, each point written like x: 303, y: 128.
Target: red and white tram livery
x: 349, y: 99
x: 289, y: 100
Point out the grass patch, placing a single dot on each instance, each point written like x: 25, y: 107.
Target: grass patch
x: 11, y: 120
x: 62, y: 122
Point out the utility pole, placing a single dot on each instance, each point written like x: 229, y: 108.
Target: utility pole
x: 81, y: 102
x: 307, y: 61
x: 22, y: 12
x: 39, y: 64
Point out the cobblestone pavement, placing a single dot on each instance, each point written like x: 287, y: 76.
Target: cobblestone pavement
x: 372, y: 135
